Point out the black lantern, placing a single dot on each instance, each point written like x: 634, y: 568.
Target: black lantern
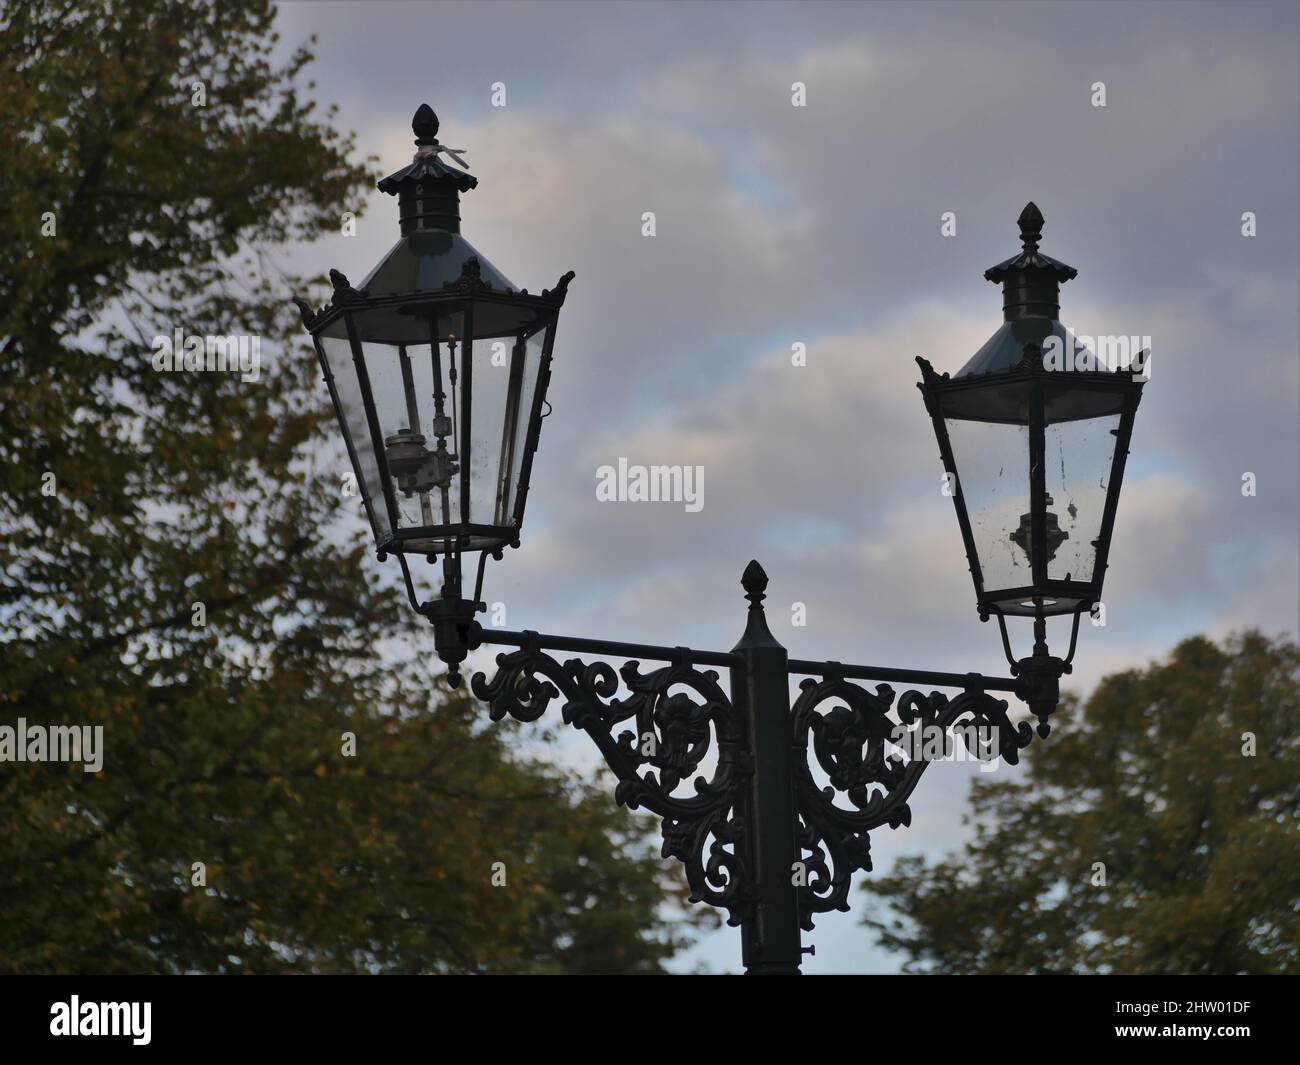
x: 438, y: 367
x: 1033, y: 432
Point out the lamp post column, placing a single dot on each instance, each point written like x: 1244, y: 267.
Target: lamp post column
x: 761, y: 695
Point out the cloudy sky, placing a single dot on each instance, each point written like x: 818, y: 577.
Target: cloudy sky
x: 821, y: 225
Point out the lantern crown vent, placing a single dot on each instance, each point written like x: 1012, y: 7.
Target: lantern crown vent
x: 1030, y: 260
x: 1031, y: 301
x: 431, y: 254
x: 428, y: 168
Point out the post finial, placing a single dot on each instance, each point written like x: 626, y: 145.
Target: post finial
x: 754, y: 581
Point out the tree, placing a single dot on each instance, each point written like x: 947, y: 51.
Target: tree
x: 1155, y: 832
x: 181, y: 568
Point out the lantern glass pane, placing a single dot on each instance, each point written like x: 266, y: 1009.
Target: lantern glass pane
x: 992, y: 461
x: 1078, y: 457
x: 505, y: 377
x: 529, y: 376
x: 420, y: 445
x: 489, y: 390
x: 352, y: 412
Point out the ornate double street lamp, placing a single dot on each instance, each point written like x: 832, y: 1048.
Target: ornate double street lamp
x: 438, y: 369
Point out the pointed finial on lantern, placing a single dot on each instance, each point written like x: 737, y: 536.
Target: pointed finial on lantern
x: 425, y: 126
x: 1031, y: 226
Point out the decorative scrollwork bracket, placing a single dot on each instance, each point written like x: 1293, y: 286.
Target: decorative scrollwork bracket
x: 768, y: 804
x: 873, y: 752
x: 677, y: 716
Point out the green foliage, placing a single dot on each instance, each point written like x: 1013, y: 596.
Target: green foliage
x: 1200, y: 842
x: 223, y: 741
